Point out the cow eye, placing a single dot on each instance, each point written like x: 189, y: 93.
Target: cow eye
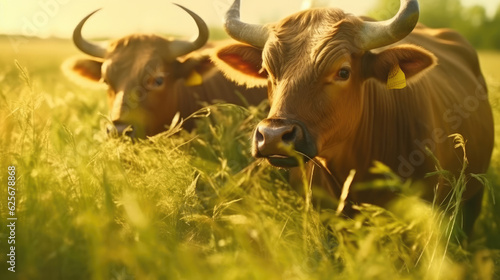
x: 344, y: 74
x: 155, y: 82
x: 158, y: 81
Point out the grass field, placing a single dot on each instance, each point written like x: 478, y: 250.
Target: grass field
x: 194, y: 205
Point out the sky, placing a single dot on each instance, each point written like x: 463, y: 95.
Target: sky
x: 57, y: 18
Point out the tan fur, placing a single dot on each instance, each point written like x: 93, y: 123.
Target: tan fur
x: 147, y: 86
x: 357, y: 121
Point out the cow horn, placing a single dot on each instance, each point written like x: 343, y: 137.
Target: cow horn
x: 252, y: 34
x: 85, y: 46
x: 378, y: 34
x: 180, y: 48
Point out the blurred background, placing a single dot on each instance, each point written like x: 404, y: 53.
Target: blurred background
x: 57, y: 18
x: 195, y: 205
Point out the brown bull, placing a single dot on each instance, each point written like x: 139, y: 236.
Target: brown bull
x: 150, y: 79
x: 336, y: 86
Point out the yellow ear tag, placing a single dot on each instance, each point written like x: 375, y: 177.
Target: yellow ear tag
x: 396, y: 78
x: 194, y: 79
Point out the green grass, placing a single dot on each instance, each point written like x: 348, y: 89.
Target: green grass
x: 192, y: 205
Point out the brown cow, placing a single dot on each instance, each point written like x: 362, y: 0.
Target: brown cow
x: 336, y: 86
x: 150, y: 79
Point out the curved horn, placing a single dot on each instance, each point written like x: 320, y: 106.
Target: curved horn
x: 180, y: 48
x: 85, y: 46
x: 252, y: 34
x: 383, y: 33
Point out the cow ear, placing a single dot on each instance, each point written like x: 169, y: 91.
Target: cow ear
x: 411, y: 60
x: 87, y: 68
x: 241, y: 64
x: 192, y: 69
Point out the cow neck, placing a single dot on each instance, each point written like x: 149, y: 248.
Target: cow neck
x: 382, y: 134
x: 216, y: 88
x: 213, y: 88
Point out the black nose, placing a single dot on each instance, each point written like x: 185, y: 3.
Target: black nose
x: 272, y: 139
x: 281, y: 141
x: 121, y: 129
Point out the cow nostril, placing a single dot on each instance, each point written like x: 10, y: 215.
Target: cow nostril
x: 121, y: 129
x: 259, y: 136
x: 130, y: 133
x: 290, y: 136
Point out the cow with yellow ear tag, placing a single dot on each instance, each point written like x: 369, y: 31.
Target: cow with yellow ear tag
x: 347, y: 91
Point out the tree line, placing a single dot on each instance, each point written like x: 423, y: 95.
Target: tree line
x: 472, y: 22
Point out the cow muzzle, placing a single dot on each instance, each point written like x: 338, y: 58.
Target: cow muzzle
x: 283, y: 142
x: 121, y: 129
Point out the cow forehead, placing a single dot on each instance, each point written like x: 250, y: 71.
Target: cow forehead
x: 136, y: 63
x: 138, y: 49
x: 133, y: 62
x: 309, y: 41
x: 136, y: 42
